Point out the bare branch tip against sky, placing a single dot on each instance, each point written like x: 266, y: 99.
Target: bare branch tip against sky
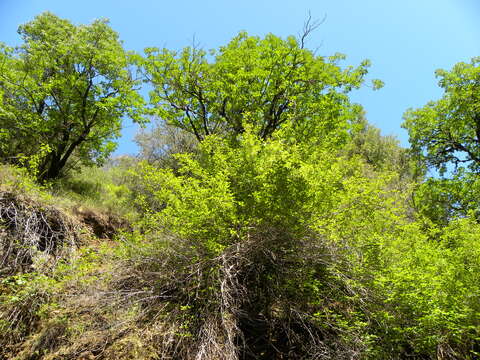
x: 405, y: 40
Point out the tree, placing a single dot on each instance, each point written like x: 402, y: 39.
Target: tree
x: 64, y: 92
x: 159, y: 144
x: 265, y: 83
x: 447, y: 131
x: 445, y: 136
x: 379, y: 151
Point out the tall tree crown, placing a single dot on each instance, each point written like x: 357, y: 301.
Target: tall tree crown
x: 266, y: 83
x: 65, y: 90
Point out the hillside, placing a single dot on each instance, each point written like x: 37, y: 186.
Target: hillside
x: 264, y: 217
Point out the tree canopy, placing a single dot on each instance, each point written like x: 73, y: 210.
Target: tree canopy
x: 268, y: 220
x: 264, y: 82
x: 447, y: 131
x: 445, y: 136
x: 63, y: 93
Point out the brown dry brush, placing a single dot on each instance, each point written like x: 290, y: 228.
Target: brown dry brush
x: 19, y: 317
x: 33, y: 238
x: 28, y: 228
x: 251, y: 301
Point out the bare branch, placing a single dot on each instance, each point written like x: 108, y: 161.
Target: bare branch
x: 309, y: 26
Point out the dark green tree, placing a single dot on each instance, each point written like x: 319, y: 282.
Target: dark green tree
x: 445, y: 137
x: 447, y: 131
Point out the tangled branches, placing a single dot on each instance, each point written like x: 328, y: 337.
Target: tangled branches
x: 268, y: 296
x: 28, y: 229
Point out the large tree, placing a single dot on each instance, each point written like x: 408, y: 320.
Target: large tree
x: 447, y: 131
x: 265, y: 83
x: 63, y: 93
x: 445, y: 137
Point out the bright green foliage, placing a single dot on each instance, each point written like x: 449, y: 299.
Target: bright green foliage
x: 225, y: 190
x: 432, y: 292
x: 265, y: 83
x: 64, y: 92
x: 272, y: 201
x: 108, y: 189
x: 422, y: 282
x: 405, y: 293
x: 288, y: 228
x: 442, y: 200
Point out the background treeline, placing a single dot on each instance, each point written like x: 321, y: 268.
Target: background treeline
x: 263, y: 218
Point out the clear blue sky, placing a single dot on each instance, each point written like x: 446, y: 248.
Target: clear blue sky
x: 406, y: 40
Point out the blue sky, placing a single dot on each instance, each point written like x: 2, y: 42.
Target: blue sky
x: 406, y: 40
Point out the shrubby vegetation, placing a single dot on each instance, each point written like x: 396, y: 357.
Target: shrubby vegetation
x: 264, y: 218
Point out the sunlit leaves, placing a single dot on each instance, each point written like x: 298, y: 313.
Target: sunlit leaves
x: 66, y: 86
x: 264, y: 82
